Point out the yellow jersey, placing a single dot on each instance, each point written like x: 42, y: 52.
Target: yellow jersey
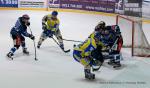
x: 86, y: 48
x: 51, y: 24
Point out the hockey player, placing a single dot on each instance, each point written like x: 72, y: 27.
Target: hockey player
x: 101, y: 26
x: 50, y: 26
x: 83, y: 54
x: 99, y: 29
x: 112, y: 40
x: 115, y: 42
x: 18, y: 34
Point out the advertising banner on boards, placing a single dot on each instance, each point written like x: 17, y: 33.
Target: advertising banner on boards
x: 91, y: 5
x: 32, y: 4
x: 9, y: 3
x: 133, y: 8
x: 54, y: 3
x: 119, y: 6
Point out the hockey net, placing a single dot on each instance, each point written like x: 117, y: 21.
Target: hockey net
x: 133, y: 36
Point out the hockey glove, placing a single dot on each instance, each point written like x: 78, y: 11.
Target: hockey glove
x: 28, y: 24
x: 50, y: 35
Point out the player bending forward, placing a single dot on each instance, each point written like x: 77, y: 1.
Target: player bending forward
x: 50, y: 26
x: 18, y: 34
x: 86, y: 54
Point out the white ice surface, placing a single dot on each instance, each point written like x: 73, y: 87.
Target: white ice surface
x: 55, y: 69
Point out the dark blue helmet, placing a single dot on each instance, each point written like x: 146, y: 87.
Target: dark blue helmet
x: 25, y: 16
x: 54, y: 13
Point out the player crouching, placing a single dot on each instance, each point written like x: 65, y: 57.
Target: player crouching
x: 83, y: 53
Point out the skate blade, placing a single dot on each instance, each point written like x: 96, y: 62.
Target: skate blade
x: 9, y: 58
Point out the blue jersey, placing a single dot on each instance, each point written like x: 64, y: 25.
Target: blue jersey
x: 20, y: 28
x: 111, y: 36
x: 108, y: 38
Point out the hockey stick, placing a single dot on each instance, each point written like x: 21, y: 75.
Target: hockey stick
x: 34, y: 46
x: 66, y: 51
x: 114, y: 44
x: 96, y: 69
x: 72, y: 40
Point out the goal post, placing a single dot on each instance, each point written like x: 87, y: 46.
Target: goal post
x: 133, y: 35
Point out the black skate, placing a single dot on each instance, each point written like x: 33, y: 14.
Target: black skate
x: 9, y: 55
x: 114, y: 64
x: 89, y: 75
x: 25, y: 51
x: 111, y: 62
x: 117, y: 65
x: 38, y: 46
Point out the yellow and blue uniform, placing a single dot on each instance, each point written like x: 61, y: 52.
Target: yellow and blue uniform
x: 52, y: 25
x: 82, y: 51
x: 99, y: 37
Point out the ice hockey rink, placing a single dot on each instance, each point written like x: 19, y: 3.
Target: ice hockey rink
x: 56, y: 69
